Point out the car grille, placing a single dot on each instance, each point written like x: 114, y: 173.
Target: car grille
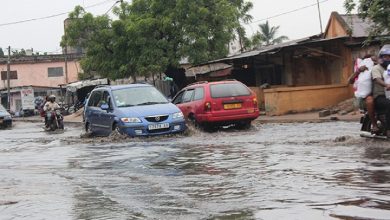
x: 157, y: 118
x: 158, y: 130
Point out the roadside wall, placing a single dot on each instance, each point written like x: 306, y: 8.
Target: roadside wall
x: 279, y: 101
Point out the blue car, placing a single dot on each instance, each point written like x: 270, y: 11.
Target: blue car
x: 135, y: 110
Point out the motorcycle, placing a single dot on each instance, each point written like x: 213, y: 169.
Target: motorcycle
x: 366, y: 125
x: 55, y: 120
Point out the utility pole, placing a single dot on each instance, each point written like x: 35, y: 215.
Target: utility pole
x: 8, y: 79
x: 319, y: 14
x: 66, y: 65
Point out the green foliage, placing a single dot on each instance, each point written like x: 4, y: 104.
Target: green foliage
x: 1, y: 52
x: 151, y: 36
x: 267, y: 35
x: 17, y: 53
x: 378, y: 11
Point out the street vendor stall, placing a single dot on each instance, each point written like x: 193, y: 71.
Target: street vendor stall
x: 77, y: 92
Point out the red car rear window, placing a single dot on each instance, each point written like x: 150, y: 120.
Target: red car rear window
x: 228, y: 90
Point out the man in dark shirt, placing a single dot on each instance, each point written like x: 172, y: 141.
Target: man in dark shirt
x: 379, y: 87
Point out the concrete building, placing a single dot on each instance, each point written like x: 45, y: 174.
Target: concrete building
x: 35, y: 76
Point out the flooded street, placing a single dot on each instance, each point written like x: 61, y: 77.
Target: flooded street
x: 272, y: 171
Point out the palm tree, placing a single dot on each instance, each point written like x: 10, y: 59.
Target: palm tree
x: 267, y: 35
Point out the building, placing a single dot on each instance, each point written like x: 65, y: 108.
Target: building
x: 305, y: 74
x: 32, y: 77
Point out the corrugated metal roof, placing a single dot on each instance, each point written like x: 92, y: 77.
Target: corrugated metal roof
x: 212, y: 67
x: 273, y: 48
x: 359, y: 27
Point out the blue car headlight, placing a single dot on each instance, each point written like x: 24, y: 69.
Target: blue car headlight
x: 177, y: 115
x: 131, y: 120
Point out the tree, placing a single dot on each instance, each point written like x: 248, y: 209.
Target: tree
x: 244, y: 17
x: 152, y: 36
x: 17, y: 53
x: 377, y: 11
x: 267, y: 35
x: 1, y: 52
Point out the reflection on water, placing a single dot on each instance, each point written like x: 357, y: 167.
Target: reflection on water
x: 272, y: 171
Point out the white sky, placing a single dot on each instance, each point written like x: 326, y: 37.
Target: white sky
x: 44, y: 35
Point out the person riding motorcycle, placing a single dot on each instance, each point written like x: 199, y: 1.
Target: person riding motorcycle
x: 50, y: 105
x: 362, y: 83
x: 382, y: 104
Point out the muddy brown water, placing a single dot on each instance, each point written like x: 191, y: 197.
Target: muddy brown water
x: 271, y: 171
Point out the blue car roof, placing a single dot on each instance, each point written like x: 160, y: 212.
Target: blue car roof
x: 118, y: 87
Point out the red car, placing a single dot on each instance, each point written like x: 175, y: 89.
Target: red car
x: 221, y: 103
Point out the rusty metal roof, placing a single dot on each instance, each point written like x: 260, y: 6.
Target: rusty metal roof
x: 359, y: 27
x: 273, y: 48
x: 207, y: 68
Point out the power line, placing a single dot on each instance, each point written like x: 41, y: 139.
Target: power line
x: 51, y: 16
x: 287, y: 12
x: 113, y: 6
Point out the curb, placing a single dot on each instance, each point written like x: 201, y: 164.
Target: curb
x: 34, y: 120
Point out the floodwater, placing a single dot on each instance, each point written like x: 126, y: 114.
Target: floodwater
x: 272, y: 171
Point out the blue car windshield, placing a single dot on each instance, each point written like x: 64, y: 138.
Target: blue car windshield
x: 136, y: 96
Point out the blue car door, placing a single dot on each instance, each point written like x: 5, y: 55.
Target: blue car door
x: 93, y: 111
x: 106, y: 116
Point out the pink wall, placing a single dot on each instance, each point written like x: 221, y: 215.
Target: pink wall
x: 36, y: 74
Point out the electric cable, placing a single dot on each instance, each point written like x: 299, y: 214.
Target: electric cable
x: 51, y: 16
x: 287, y: 12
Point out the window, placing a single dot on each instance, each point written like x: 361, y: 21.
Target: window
x: 178, y: 98
x: 95, y: 98
x: 188, y: 95
x: 105, y: 99
x: 55, y: 71
x: 12, y: 75
x: 229, y: 90
x: 142, y: 95
x: 199, y: 93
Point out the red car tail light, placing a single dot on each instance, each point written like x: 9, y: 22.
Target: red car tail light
x: 207, y: 106
x: 255, y: 102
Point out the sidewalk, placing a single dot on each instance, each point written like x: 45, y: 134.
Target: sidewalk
x: 308, y: 117
x: 290, y: 118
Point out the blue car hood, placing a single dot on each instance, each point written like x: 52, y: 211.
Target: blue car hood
x: 149, y: 110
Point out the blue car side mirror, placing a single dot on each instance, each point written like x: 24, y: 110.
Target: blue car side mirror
x: 105, y: 107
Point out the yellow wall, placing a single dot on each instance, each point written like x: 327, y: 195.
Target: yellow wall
x: 279, y: 101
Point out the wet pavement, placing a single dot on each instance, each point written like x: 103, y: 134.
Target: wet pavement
x: 272, y: 171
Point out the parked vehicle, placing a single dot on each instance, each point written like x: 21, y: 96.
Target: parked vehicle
x: 55, y: 120
x: 366, y: 125
x: 210, y: 104
x: 5, y: 118
x: 134, y: 109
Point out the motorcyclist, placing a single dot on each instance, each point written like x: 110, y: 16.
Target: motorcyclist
x: 381, y: 102
x: 362, y: 81
x: 50, y: 105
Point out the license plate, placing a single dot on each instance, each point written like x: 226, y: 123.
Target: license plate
x: 158, y: 126
x: 232, y: 106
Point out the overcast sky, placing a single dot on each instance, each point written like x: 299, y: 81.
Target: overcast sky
x: 300, y: 19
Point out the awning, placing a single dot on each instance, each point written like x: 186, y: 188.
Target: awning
x: 208, y: 68
x: 72, y: 87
